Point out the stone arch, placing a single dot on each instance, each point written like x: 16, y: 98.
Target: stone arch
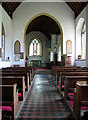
x: 46, y: 14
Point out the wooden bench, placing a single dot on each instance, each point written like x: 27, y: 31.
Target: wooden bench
x: 80, y: 99
x: 63, y: 68
x: 20, y: 72
x: 74, y: 73
x: 57, y: 70
x: 23, y: 69
x: 9, y: 103
x: 20, y: 81
x: 70, y: 84
x: 17, y: 74
x: 0, y: 114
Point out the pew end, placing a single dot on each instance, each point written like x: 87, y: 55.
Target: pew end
x: 9, y: 100
x: 80, y: 98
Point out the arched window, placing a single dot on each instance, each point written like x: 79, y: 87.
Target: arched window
x: 17, y: 47
x: 83, y: 41
x: 35, y: 48
x: 3, y: 42
x: 69, y: 47
x: 59, y: 52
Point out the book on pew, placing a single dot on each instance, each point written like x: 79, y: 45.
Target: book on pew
x: 82, y: 82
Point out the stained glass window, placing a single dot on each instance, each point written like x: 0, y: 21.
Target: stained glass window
x: 35, y: 48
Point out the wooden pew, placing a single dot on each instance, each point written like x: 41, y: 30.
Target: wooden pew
x: 18, y: 71
x: 20, y: 81
x: 63, y: 68
x: 0, y: 114
x: 70, y: 84
x: 9, y: 100
x: 22, y: 69
x: 74, y: 73
x: 57, y: 70
x: 17, y: 74
x: 80, y: 98
x: 31, y: 69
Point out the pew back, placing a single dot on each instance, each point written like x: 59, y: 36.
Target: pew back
x: 20, y: 81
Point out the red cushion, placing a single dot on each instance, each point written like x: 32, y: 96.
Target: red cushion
x: 62, y: 86
x: 40, y: 69
x: 19, y: 94
x: 25, y: 86
x: 84, y: 108
x: 70, y: 93
x: 31, y: 81
x: 58, y: 81
x: 71, y: 103
x: 6, y: 108
x: 71, y: 97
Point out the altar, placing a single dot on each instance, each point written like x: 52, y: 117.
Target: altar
x: 35, y: 63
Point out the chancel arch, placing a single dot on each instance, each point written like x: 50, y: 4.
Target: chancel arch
x: 37, y: 22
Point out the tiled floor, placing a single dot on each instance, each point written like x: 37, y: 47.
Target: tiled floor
x: 43, y: 101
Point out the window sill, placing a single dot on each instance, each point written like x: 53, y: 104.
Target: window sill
x: 5, y: 60
x: 80, y: 59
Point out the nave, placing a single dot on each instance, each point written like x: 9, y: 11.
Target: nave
x: 41, y: 93
x: 44, y: 60
x: 43, y: 100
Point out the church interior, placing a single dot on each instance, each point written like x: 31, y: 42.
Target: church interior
x: 44, y: 60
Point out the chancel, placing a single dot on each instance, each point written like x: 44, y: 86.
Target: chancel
x: 43, y: 59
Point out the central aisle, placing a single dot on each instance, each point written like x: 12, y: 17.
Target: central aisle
x: 43, y: 100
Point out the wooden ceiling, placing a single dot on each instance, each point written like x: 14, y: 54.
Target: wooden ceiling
x: 10, y: 7
x: 75, y: 5
x: 45, y: 25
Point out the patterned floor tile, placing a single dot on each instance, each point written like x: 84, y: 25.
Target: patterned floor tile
x: 43, y: 101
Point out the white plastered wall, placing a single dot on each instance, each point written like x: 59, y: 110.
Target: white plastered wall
x: 81, y: 63
x: 7, y: 22
x: 0, y: 29
x: 87, y: 36
x: 59, y: 11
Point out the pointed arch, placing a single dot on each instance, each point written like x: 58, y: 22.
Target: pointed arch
x: 81, y: 39
x: 46, y: 14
